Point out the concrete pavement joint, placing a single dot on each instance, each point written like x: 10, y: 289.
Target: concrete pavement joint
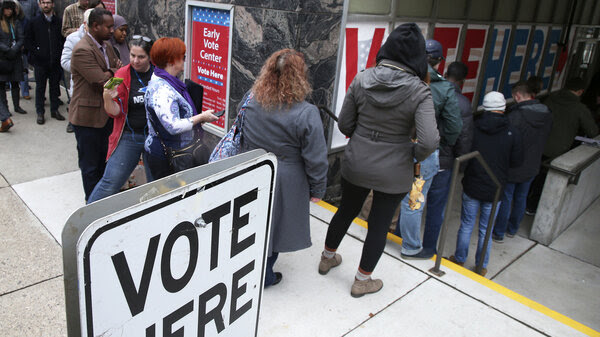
x: 514, y: 260
x: 387, y: 306
x: 31, y: 285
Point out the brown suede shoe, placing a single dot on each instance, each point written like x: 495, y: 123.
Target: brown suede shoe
x: 7, y: 124
x: 360, y: 288
x: 453, y: 260
x: 326, y: 264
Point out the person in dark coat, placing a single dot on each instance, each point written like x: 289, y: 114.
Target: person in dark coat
x: 533, y: 120
x: 279, y: 120
x: 501, y: 148
x: 570, y: 118
x: 440, y: 187
x: 382, y: 106
x: 44, y: 42
x: 26, y: 10
x: 11, y: 45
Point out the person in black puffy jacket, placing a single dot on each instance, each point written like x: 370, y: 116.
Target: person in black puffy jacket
x: 500, y: 146
x: 534, y: 121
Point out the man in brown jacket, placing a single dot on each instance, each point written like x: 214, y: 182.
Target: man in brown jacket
x: 93, y: 62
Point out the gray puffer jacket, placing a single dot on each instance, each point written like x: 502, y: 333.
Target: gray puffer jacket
x: 381, y: 108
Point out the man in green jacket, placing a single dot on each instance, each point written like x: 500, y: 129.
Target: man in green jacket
x: 569, y: 117
x: 449, y: 124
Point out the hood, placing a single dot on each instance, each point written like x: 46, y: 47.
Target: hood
x: 491, y: 122
x: 385, y: 87
x: 563, y: 97
x: 435, y: 76
x: 406, y: 45
x: 534, y: 113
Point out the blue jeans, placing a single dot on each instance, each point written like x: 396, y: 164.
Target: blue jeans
x: 437, y: 197
x: 120, y: 165
x: 515, y: 194
x: 25, y: 84
x: 470, y: 207
x: 409, y: 221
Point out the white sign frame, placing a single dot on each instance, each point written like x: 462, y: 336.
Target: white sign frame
x: 203, y: 187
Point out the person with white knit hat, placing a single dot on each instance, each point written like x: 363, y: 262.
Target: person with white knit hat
x: 500, y: 146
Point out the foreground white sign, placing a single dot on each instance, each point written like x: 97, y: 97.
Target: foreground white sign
x: 187, y: 263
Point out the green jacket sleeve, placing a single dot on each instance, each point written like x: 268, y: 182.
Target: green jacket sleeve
x: 450, y: 117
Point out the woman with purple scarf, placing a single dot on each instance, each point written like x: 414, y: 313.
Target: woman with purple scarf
x: 172, y: 117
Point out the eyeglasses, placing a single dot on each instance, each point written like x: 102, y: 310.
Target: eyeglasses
x: 141, y: 37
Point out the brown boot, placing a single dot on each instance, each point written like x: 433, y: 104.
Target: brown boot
x: 360, y: 288
x: 7, y: 124
x: 327, y: 264
x: 453, y: 260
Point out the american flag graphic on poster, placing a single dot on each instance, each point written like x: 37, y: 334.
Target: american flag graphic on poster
x: 361, y: 44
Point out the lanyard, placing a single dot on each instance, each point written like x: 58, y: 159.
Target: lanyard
x: 139, y: 78
x: 12, y: 31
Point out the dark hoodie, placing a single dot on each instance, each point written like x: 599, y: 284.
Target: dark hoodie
x: 406, y: 45
x: 500, y: 146
x: 534, y: 121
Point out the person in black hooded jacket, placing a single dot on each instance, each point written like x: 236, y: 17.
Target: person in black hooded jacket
x: 500, y: 146
x: 534, y: 121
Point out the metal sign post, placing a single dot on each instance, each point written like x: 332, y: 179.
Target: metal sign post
x: 182, y: 256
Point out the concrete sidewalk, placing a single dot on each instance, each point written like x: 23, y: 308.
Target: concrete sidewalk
x: 534, y: 290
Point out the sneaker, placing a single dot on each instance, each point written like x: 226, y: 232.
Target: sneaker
x: 326, y: 264
x: 7, y: 124
x: 497, y: 238
x: 510, y: 235
x: 422, y: 255
x: 369, y: 286
x: 530, y: 212
x: 70, y: 128
x: 453, y: 260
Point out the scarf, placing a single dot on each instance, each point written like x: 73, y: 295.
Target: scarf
x: 177, y: 85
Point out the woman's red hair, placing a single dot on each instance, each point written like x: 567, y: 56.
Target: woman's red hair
x: 282, y: 80
x: 167, y: 50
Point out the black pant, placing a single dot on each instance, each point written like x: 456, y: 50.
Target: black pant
x: 159, y: 167
x: 42, y: 75
x: 14, y: 92
x: 380, y: 217
x: 92, y: 146
x: 537, y: 186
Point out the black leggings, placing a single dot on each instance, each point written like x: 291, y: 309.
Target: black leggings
x: 380, y: 217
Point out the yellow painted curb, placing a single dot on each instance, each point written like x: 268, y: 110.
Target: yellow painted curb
x: 489, y: 284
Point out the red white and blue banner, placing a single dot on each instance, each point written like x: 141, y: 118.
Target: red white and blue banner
x: 361, y: 45
x: 209, y: 43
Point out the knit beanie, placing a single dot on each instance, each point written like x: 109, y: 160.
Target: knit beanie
x: 494, y: 101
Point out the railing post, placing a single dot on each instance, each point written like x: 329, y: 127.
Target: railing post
x: 444, y: 230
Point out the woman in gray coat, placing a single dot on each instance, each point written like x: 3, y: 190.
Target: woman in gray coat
x: 279, y: 120
x: 382, y: 107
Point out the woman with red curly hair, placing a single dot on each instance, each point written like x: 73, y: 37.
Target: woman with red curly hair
x: 172, y: 117
x: 279, y: 120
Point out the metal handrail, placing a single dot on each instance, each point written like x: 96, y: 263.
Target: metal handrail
x: 440, y: 252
